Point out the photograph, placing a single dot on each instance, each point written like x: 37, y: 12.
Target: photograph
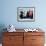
x: 26, y: 14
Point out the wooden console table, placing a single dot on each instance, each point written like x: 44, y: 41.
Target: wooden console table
x: 23, y: 38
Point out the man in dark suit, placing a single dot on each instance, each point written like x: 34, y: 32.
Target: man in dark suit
x: 21, y: 14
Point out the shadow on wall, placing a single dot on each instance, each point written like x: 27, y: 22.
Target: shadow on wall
x: 2, y: 26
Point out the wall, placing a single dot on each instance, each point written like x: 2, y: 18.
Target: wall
x: 9, y: 13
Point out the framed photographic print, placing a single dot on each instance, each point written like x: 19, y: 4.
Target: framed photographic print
x: 26, y: 14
